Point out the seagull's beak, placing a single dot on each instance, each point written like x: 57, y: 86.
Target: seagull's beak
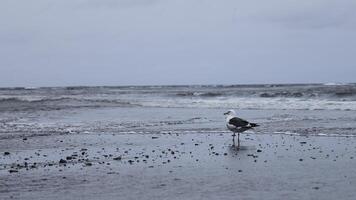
x: 226, y: 113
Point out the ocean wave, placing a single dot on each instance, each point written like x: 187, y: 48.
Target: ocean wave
x: 200, y: 94
x: 333, y: 84
x: 22, y: 104
x: 255, y: 104
x: 282, y: 94
x: 272, y: 96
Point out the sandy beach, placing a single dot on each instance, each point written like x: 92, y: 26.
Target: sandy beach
x: 178, y: 166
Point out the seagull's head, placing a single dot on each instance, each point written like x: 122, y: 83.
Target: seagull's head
x: 230, y: 113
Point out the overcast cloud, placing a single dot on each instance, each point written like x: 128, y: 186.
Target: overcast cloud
x: 130, y: 42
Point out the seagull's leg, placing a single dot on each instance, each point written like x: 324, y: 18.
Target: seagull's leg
x: 238, y: 140
x: 233, y: 139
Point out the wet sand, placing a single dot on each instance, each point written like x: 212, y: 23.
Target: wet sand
x: 177, y: 166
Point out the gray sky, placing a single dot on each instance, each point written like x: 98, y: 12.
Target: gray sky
x: 130, y: 42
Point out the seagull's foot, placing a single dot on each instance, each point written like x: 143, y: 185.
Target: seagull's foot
x: 233, y: 135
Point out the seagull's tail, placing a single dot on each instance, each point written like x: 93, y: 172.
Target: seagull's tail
x: 254, y: 125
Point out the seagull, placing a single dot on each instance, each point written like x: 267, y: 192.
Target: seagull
x: 237, y: 125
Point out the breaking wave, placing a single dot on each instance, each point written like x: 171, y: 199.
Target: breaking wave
x: 278, y: 96
x: 21, y: 104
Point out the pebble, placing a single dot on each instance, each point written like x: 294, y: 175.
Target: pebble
x: 117, y: 158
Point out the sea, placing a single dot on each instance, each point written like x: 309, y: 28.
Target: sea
x: 292, y: 109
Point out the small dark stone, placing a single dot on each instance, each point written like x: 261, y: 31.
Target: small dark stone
x: 239, y: 170
x: 61, y: 161
x: 69, y: 157
x: 316, y: 188
x: 117, y: 158
x: 154, y: 137
x: 300, y: 159
x: 88, y: 164
x: 259, y: 150
x: 6, y: 153
x: 225, y: 154
x: 24, y: 138
x: 13, y: 171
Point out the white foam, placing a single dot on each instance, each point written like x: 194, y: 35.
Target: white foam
x: 332, y: 84
x: 255, y: 103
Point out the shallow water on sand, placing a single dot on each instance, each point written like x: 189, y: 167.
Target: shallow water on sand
x: 163, y: 120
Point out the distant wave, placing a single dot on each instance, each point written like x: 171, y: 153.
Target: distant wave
x: 270, y: 96
x: 200, y: 94
x: 333, y: 84
x: 283, y: 94
x: 18, y: 104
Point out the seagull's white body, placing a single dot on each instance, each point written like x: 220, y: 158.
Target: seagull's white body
x: 235, y: 124
x: 229, y: 116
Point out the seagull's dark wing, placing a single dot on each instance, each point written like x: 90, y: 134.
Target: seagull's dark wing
x: 238, y: 122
